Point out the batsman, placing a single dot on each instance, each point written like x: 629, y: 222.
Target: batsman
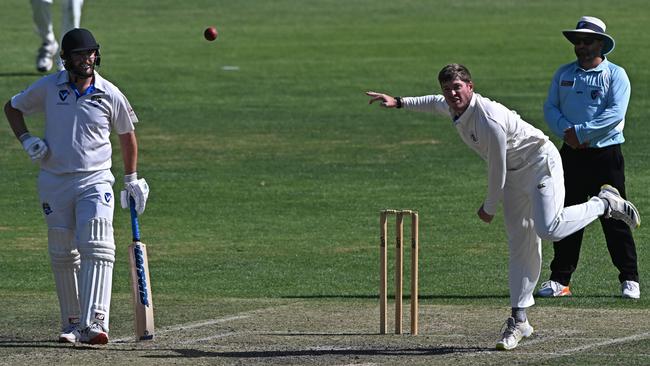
x: 525, y: 174
x: 75, y: 182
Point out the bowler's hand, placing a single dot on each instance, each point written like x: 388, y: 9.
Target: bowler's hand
x: 484, y: 216
x: 386, y: 100
x: 571, y: 139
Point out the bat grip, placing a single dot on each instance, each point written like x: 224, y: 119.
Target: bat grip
x: 135, y: 227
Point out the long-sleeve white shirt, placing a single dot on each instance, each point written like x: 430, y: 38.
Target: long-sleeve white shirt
x: 497, y: 134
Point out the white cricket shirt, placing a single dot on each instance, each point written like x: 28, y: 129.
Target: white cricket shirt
x: 497, y: 134
x: 77, y: 129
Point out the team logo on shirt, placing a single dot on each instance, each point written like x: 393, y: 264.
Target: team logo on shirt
x: 96, y: 105
x: 97, y: 99
x: 596, y: 93
x: 107, y: 197
x: 46, y: 208
x: 63, y: 94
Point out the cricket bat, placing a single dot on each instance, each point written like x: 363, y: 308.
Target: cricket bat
x: 140, y: 282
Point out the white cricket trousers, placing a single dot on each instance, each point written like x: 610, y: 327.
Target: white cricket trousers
x: 42, y: 15
x: 78, y: 209
x: 533, y: 208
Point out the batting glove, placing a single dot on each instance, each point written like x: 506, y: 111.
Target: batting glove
x: 136, y: 188
x: 35, y: 147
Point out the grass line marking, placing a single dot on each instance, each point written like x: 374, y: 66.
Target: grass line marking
x: 632, y: 338
x: 200, y: 324
x: 204, y: 323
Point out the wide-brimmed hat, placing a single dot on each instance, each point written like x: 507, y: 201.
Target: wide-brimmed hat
x: 592, y: 26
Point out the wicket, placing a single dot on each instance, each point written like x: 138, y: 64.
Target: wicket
x: 399, y: 264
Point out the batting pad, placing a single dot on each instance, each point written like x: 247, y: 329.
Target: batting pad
x: 97, y: 249
x: 65, y: 260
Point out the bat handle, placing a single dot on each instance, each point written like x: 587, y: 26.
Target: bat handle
x: 135, y: 227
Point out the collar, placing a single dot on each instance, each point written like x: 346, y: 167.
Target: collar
x: 602, y: 66
x: 467, y: 113
x: 100, y: 83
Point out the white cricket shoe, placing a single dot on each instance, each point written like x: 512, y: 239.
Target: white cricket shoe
x: 619, y: 208
x: 44, y: 59
x: 59, y: 64
x: 69, y: 334
x: 513, y: 333
x: 552, y: 288
x: 630, y: 290
x: 94, y: 334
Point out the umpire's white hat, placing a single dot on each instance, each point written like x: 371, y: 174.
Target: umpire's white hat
x: 592, y: 26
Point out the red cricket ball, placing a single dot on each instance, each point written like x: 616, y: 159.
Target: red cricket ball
x: 210, y: 33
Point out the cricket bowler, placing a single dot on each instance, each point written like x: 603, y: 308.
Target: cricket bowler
x: 525, y: 174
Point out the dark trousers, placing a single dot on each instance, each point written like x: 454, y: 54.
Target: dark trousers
x: 585, y: 171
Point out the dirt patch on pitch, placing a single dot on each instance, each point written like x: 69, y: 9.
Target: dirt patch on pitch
x: 316, y: 332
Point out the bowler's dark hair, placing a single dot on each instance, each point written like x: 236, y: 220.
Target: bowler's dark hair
x: 452, y: 72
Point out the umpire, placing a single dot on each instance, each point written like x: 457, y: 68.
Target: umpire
x: 586, y: 106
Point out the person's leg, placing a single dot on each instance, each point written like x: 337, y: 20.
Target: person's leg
x: 42, y: 16
x: 553, y: 221
x: 525, y: 250
x: 559, y: 217
x: 566, y: 252
x: 97, y: 248
x: 610, y: 169
x: 71, y: 11
x: 71, y: 19
x: 58, y: 211
x: 525, y: 258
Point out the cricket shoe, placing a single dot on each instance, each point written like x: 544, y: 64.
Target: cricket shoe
x: 44, y: 59
x: 619, y: 208
x: 630, y: 290
x: 513, y: 333
x: 552, y: 288
x: 94, y: 334
x: 69, y: 334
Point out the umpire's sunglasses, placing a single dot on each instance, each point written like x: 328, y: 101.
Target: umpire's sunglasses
x: 587, y: 41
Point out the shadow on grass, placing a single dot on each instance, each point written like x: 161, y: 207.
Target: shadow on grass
x: 192, y: 353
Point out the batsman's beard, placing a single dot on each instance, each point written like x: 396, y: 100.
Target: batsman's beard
x: 83, y: 70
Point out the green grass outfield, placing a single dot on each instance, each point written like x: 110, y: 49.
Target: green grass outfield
x: 267, y: 180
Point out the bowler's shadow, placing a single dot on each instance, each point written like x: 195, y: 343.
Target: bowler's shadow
x: 420, y: 351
